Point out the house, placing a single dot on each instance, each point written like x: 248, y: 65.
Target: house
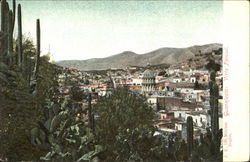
x: 137, y: 81
x: 165, y: 115
x: 181, y: 113
x: 158, y: 78
x: 173, y: 103
x: 192, y: 79
x: 200, y: 118
x: 176, y: 80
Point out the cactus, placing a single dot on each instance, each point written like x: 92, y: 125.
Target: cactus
x: 214, y: 95
x: 3, y: 2
x: 190, y: 134
x: 14, y: 14
x: 10, y: 37
x: 20, y: 48
x: 216, y: 134
x: 215, y: 117
x: 6, y: 35
x: 90, y: 116
x: 3, y: 47
x: 38, y: 49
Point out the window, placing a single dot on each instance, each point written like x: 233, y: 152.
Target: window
x: 179, y: 115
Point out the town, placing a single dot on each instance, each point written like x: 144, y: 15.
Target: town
x: 173, y: 93
x: 163, y: 105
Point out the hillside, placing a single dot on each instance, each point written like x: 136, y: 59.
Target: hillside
x: 128, y: 58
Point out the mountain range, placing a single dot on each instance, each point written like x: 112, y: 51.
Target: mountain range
x: 129, y: 58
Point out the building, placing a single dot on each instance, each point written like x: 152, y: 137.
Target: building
x: 137, y: 81
x: 200, y: 118
x: 148, y: 81
x: 174, y: 103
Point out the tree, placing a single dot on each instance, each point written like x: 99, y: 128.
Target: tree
x: 212, y: 65
x: 196, y: 85
x: 141, y: 144
x: 118, y: 114
x: 86, y: 81
x: 162, y: 73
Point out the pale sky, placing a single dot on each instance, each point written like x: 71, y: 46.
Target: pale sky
x: 80, y: 30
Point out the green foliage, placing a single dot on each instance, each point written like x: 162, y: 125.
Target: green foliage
x: 19, y: 109
x: 182, y: 151
x: 77, y: 94
x: 159, y: 66
x: 119, y: 114
x: 196, y: 85
x: 213, y: 66
x: 120, y: 111
x: 99, y: 72
x: 162, y: 73
x: 140, y: 144
x: 69, y: 138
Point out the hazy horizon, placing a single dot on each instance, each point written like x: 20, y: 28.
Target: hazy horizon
x: 80, y: 30
x: 137, y: 53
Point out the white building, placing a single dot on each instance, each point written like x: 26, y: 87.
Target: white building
x: 152, y: 99
x: 192, y: 79
x: 148, y: 81
x: 200, y: 118
x: 137, y: 81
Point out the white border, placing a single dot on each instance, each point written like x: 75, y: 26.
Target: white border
x: 236, y: 81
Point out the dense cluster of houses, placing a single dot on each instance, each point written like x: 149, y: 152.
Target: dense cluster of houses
x: 174, y: 94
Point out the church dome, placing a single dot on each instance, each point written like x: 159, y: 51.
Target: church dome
x: 148, y: 73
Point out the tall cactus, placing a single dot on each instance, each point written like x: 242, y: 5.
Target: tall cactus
x: 190, y: 131
x: 6, y: 32
x: 3, y: 33
x: 38, y: 34
x: 10, y: 37
x: 215, y: 117
x: 14, y: 14
x: 90, y: 116
x: 3, y: 2
x: 20, y: 48
x: 214, y: 96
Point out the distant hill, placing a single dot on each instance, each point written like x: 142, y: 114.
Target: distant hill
x: 128, y: 58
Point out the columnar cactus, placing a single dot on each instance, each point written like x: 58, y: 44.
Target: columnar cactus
x: 10, y: 37
x: 14, y: 14
x: 90, y: 116
x: 6, y: 35
x: 214, y: 95
x: 3, y: 15
x: 190, y: 131
x: 215, y: 117
x: 20, y: 48
x: 3, y: 34
x: 38, y: 48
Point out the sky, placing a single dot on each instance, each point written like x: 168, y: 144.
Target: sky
x: 78, y: 30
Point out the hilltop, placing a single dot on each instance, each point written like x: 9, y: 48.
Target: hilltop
x: 128, y: 58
